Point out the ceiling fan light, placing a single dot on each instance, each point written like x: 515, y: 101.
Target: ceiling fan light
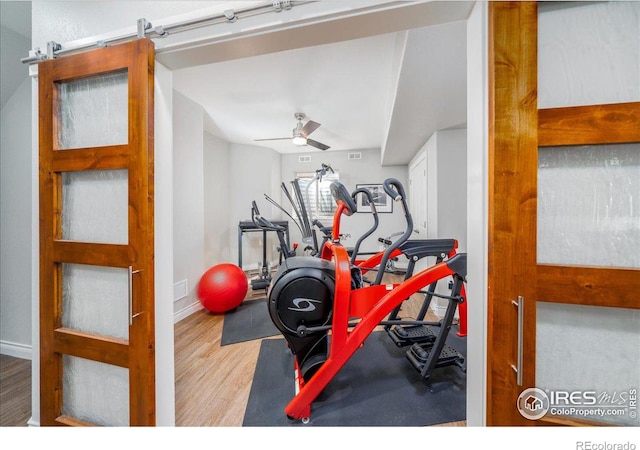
x: 299, y: 140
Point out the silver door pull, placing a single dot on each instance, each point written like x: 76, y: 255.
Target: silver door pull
x: 518, y: 367
x: 131, y: 315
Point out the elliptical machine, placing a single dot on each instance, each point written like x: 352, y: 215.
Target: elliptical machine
x: 325, y: 313
x: 263, y: 281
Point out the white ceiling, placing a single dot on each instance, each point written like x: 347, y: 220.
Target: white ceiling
x: 389, y: 91
x: 343, y: 86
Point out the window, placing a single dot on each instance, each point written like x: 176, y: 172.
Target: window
x: 317, y: 195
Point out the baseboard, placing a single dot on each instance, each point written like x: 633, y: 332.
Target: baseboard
x: 33, y: 423
x: 187, y: 311
x: 16, y: 350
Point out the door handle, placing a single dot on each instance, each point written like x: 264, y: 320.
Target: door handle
x: 518, y: 367
x: 131, y: 315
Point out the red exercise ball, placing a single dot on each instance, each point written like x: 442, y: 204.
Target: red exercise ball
x: 222, y: 287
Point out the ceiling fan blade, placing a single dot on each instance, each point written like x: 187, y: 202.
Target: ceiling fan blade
x: 273, y: 139
x: 309, y: 128
x: 317, y: 144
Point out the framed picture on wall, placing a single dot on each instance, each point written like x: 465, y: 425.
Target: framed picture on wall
x: 383, y: 202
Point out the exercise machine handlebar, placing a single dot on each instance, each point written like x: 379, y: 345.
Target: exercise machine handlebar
x: 260, y: 221
x: 376, y: 221
x: 395, y: 190
x: 398, y: 194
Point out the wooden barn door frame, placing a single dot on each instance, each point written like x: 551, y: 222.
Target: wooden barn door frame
x: 137, y: 353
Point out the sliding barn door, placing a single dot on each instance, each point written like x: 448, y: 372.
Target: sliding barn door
x: 512, y: 206
x: 97, y: 350
x: 564, y: 231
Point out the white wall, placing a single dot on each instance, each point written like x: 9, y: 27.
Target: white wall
x: 12, y: 71
x: 430, y: 150
x: 188, y: 197
x: 217, y: 197
x: 445, y: 196
x: 451, y: 170
x: 15, y: 223
x: 236, y: 175
x: 214, y: 184
x: 253, y: 172
x: 446, y: 187
x: 352, y: 172
x: 15, y: 194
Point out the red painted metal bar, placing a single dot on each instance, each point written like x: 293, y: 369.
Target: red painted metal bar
x: 362, y: 300
x: 335, y: 229
x: 462, y: 311
x: 342, y: 294
x: 462, y: 307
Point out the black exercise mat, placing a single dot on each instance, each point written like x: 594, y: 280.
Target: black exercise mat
x: 376, y: 387
x: 247, y: 322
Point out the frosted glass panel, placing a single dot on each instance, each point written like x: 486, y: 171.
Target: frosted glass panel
x: 95, y: 392
x: 96, y: 299
x: 95, y: 206
x: 588, y: 53
x: 589, y: 205
x: 93, y: 112
x: 593, y: 351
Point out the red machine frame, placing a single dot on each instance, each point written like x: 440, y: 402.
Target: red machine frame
x: 371, y: 304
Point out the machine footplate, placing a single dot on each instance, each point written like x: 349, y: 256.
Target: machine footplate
x: 418, y: 355
x: 413, y: 334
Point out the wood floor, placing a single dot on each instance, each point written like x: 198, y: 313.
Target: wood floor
x: 212, y: 381
x: 15, y: 391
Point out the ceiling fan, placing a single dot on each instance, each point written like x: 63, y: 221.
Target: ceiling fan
x: 301, y: 133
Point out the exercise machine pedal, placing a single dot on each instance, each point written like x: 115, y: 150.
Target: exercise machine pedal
x: 424, y: 360
x: 411, y: 334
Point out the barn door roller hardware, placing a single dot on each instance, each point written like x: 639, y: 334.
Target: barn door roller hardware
x: 144, y: 29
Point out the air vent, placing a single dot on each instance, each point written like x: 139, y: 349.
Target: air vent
x: 355, y: 155
x: 180, y: 290
x: 304, y: 158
